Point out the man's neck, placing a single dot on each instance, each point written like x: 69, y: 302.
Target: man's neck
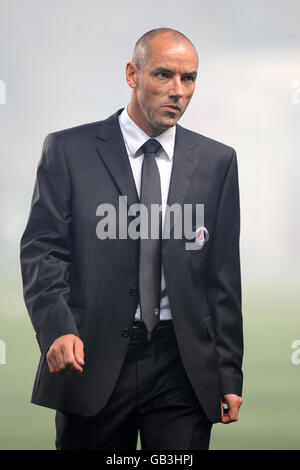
x: 151, y: 132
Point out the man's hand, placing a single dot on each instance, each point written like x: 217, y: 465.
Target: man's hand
x: 65, y: 355
x: 233, y: 403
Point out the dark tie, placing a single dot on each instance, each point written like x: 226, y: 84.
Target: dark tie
x: 150, y: 248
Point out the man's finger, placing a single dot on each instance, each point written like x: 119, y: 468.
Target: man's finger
x: 222, y: 410
x: 225, y: 416
x: 50, y: 365
x: 233, y: 413
x: 70, y: 363
x: 56, y: 358
x: 78, y: 351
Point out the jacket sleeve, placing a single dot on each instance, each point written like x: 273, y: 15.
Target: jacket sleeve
x: 224, y: 283
x: 46, y: 248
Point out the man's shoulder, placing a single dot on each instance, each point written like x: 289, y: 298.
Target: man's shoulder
x: 78, y: 131
x: 206, y: 143
x: 83, y: 132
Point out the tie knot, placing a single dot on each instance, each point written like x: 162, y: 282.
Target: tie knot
x: 151, y: 147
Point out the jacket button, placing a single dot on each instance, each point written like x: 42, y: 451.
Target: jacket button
x: 125, y: 332
x: 133, y: 291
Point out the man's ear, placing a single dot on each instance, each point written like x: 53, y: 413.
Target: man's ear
x: 131, y: 74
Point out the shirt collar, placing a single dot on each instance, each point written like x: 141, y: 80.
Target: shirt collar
x: 135, y: 137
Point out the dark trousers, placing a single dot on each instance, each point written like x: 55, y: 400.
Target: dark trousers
x: 153, y: 395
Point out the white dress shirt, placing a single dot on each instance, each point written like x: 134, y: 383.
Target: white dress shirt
x: 134, y: 138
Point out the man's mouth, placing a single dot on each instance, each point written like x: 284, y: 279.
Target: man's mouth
x: 171, y: 107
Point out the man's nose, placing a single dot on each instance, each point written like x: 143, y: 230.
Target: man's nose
x: 176, y: 88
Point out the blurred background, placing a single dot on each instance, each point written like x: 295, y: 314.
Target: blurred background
x: 62, y: 63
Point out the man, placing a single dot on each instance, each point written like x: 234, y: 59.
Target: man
x: 137, y: 333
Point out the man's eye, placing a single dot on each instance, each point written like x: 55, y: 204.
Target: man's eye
x: 162, y: 75
x: 189, y: 78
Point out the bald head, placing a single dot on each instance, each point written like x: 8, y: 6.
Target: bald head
x: 143, y: 45
x: 162, y: 76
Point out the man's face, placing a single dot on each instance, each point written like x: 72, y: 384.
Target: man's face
x: 165, y: 85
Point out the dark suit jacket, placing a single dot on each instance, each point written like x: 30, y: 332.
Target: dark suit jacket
x: 76, y: 283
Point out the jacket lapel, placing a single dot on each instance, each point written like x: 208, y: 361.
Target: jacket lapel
x: 112, y: 151
x: 185, y: 161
